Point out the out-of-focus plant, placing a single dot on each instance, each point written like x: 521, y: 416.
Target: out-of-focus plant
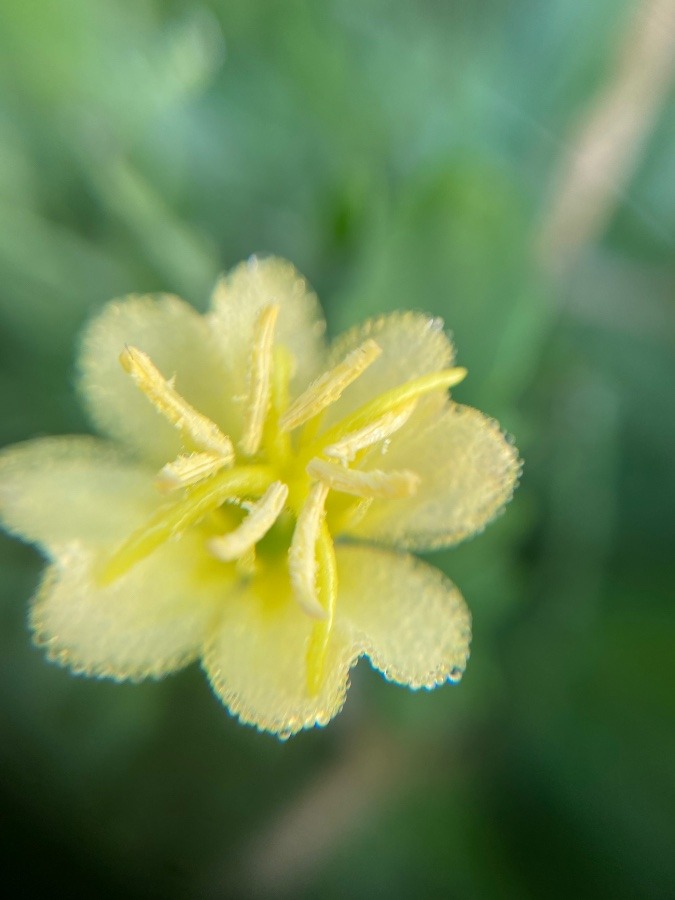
x: 404, y: 156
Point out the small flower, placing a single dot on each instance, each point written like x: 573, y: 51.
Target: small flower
x: 241, y: 508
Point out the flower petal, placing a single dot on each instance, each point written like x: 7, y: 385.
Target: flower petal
x: 149, y: 622
x: 468, y: 472
x: 54, y: 490
x: 179, y: 343
x: 256, y: 661
x: 238, y: 298
x: 409, y: 618
x: 412, y: 345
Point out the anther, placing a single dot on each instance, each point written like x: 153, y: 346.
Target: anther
x: 390, y: 400
x: 260, y: 518
x: 188, y: 469
x: 204, y: 433
x: 173, y: 519
x: 379, y: 429
x: 393, y: 485
x: 302, y: 553
x: 329, y: 387
x: 259, y: 379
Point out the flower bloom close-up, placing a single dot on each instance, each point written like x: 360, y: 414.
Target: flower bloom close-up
x: 256, y: 499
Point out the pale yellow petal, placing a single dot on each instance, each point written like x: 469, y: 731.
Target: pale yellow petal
x: 410, y: 619
x: 256, y: 661
x: 148, y: 622
x: 412, y: 345
x: 238, y: 298
x: 179, y: 343
x: 59, y: 489
x: 468, y: 471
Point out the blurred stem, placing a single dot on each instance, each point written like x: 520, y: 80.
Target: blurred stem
x: 183, y: 256
x: 606, y: 145
x: 348, y: 793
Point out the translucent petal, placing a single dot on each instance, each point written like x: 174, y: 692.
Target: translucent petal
x: 59, y: 489
x: 180, y: 344
x: 412, y: 345
x: 256, y: 661
x: 468, y: 470
x: 410, y: 619
x: 238, y: 298
x: 150, y: 621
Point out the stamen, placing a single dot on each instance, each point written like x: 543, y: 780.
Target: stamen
x: 204, y: 433
x: 261, y: 516
x: 388, y: 485
x: 320, y: 636
x: 386, y: 402
x: 302, y: 553
x: 329, y: 387
x: 347, y: 447
x: 277, y: 443
x: 259, y: 379
x: 188, y: 469
x: 171, y: 520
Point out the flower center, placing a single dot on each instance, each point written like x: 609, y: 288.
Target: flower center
x: 297, y: 484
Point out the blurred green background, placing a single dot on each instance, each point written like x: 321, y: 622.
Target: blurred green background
x: 402, y: 155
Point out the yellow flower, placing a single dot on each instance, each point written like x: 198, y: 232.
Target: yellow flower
x: 240, y: 510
